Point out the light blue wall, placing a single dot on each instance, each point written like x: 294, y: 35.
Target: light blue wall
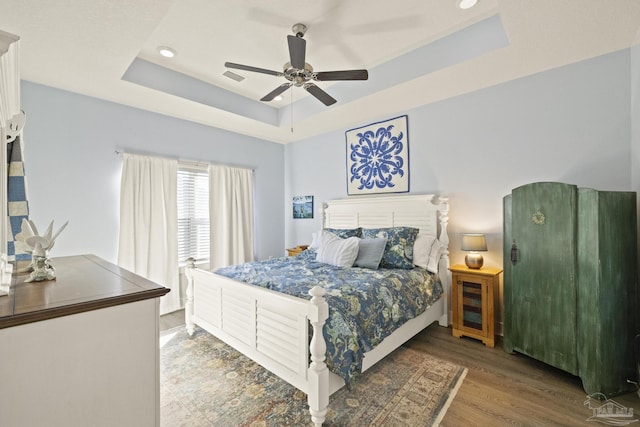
x: 570, y: 124
x: 73, y: 172
x: 635, y: 118
x: 635, y: 125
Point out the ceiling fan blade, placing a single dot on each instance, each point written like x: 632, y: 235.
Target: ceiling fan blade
x: 253, y: 69
x: 322, y: 96
x: 297, y: 51
x: 277, y: 91
x: 324, y: 76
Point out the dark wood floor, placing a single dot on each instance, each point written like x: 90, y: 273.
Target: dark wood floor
x: 500, y: 389
x: 509, y: 389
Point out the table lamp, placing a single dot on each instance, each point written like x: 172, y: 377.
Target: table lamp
x: 474, y: 243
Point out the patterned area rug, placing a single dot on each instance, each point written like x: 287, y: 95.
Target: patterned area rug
x: 204, y: 382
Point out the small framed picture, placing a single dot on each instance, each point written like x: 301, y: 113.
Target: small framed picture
x: 303, y: 206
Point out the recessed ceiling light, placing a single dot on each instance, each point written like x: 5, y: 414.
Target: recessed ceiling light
x: 467, y: 4
x: 167, y: 52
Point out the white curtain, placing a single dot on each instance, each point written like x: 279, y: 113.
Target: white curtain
x: 231, y: 215
x: 9, y: 77
x: 9, y: 111
x: 148, y: 241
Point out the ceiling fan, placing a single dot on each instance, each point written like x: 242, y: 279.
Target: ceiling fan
x: 301, y: 74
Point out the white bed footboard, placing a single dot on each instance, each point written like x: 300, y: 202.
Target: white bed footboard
x: 266, y: 326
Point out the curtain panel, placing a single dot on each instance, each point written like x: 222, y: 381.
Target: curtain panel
x: 17, y: 203
x: 231, y: 215
x: 9, y: 78
x: 148, y: 237
x: 9, y: 112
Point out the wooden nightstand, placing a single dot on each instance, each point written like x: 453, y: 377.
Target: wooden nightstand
x: 473, y: 292
x: 297, y: 250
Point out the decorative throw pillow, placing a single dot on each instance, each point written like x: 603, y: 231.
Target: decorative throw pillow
x: 345, y: 233
x: 398, y: 252
x: 370, y: 253
x: 426, y: 252
x: 315, y: 239
x: 336, y: 251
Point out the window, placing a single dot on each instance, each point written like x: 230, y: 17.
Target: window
x: 193, y: 214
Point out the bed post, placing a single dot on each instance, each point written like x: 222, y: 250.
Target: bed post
x: 318, y: 374
x: 444, y: 263
x: 188, y: 307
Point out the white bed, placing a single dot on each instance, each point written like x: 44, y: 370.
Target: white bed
x: 243, y: 315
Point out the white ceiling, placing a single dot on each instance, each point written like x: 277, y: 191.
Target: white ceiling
x: 87, y: 47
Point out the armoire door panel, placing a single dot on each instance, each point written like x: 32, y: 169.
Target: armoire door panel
x: 543, y: 280
x: 607, y: 255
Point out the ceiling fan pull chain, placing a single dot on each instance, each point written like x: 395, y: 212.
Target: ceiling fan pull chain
x: 291, y: 108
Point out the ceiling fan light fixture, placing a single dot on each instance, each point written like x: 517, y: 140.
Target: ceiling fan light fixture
x: 166, y: 51
x: 299, y: 73
x: 466, y: 4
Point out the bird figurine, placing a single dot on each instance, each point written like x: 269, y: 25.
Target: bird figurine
x: 30, y: 241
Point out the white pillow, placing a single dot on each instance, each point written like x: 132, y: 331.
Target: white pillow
x: 315, y: 239
x: 426, y: 252
x: 336, y: 251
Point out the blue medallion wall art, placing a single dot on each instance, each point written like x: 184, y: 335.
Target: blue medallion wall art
x: 378, y: 158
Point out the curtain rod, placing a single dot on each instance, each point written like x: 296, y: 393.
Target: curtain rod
x: 196, y: 163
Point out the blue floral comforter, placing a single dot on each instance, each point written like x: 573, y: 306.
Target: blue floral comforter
x: 365, y: 305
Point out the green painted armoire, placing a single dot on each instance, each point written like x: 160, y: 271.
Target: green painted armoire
x: 570, y: 281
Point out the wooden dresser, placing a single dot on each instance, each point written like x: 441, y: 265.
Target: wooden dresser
x: 82, y: 349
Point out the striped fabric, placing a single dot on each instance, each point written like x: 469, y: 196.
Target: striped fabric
x: 18, y: 207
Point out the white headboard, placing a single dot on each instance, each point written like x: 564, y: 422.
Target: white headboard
x: 427, y: 212
x: 423, y: 211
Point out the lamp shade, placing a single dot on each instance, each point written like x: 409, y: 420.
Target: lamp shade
x: 474, y: 242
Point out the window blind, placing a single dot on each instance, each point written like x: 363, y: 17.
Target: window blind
x: 193, y: 214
